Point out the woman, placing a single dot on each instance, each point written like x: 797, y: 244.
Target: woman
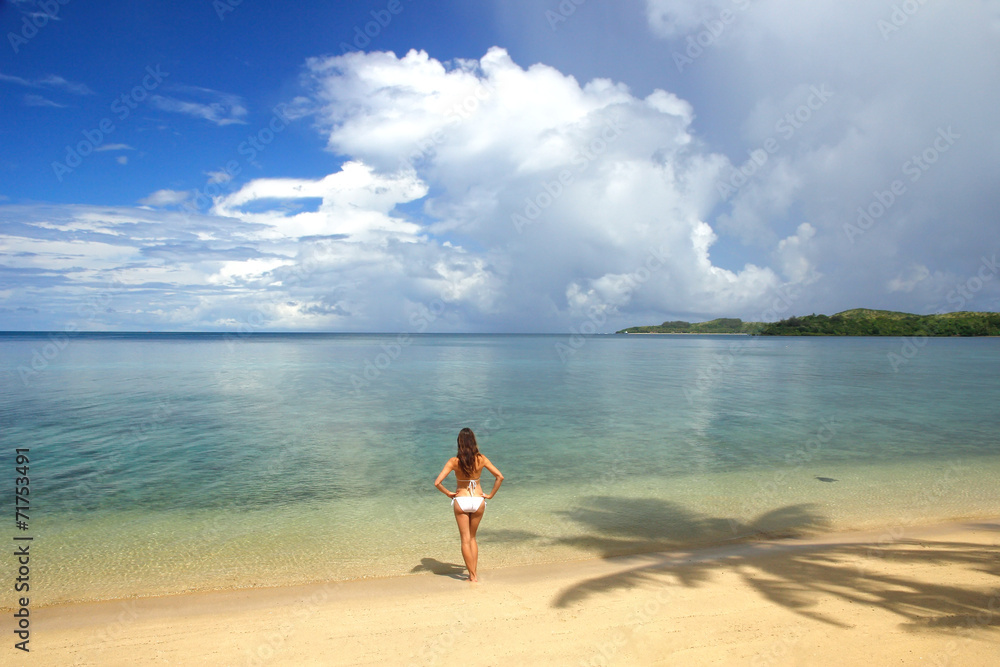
x: 468, y: 502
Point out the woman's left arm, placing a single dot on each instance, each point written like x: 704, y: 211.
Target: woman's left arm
x: 444, y: 473
x: 496, y: 474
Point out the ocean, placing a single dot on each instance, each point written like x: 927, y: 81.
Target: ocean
x: 165, y: 463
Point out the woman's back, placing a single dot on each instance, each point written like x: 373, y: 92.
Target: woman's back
x: 477, y: 470
x: 468, y: 467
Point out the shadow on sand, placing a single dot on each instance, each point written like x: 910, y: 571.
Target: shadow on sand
x: 795, y: 576
x: 434, y: 566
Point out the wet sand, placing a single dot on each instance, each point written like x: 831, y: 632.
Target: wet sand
x: 928, y: 596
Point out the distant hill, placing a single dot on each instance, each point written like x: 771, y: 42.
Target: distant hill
x: 855, y: 322
x: 867, y: 322
x: 723, y: 325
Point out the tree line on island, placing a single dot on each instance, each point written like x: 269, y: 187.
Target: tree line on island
x: 856, y: 322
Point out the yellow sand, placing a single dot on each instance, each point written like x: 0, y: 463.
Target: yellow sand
x: 930, y: 596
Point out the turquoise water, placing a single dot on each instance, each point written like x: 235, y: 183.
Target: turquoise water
x: 170, y: 462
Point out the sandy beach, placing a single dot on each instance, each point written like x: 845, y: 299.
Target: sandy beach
x: 928, y: 595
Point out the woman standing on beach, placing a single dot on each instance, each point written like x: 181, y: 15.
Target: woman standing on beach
x: 468, y: 501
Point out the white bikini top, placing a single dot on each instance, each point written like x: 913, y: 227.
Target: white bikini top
x: 473, y: 483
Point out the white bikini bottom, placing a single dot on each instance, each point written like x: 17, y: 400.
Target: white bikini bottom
x: 468, y: 504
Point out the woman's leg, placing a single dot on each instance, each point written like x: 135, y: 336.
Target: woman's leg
x: 474, y: 520
x: 468, y: 524
x: 463, y: 530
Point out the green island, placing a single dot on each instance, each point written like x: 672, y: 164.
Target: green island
x: 723, y: 325
x: 855, y: 322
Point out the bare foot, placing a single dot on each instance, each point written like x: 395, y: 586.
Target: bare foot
x: 473, y: 578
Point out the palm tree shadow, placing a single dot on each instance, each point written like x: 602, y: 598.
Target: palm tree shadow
x: 795, y: 576
x: 434, y: 566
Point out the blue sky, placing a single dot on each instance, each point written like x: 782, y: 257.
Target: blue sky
x: 493, y: 166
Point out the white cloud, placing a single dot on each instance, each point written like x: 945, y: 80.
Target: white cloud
x: 565, y: 186
x: 793, y: 253
x: 893, y: 93
x: 521, y: 198
x: 50, y: 81
x: 908, y: 280
x: 166, y: 198
x: 113, y: 147
x: 122, y: 159
x: 240, y: 272
x: 211, y: 105
x: 39, y: 101
x: 351, y: 262
x: 354, y: 201
x: 540, y: 202
x: 670, y: 18
x: 218, y: 177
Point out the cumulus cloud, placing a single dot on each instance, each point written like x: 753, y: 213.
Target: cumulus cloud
x: 794, y: 254
x: 351, y: 262
x: 565, y: 187
x: 905, y: 101
x: 519, y: 198
x: 531, y: 201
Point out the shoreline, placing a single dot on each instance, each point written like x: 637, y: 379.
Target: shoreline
x: 678, y: 333
x: 184, y: 553
x: 883, y: 593
x: 698, y: 550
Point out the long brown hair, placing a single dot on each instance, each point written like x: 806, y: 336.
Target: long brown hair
x: 468, y: 452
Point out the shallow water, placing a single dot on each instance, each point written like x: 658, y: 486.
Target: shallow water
x: 163, y: 463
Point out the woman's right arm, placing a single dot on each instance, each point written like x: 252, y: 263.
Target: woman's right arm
x: 444, y: 473
x: 496, y: 473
